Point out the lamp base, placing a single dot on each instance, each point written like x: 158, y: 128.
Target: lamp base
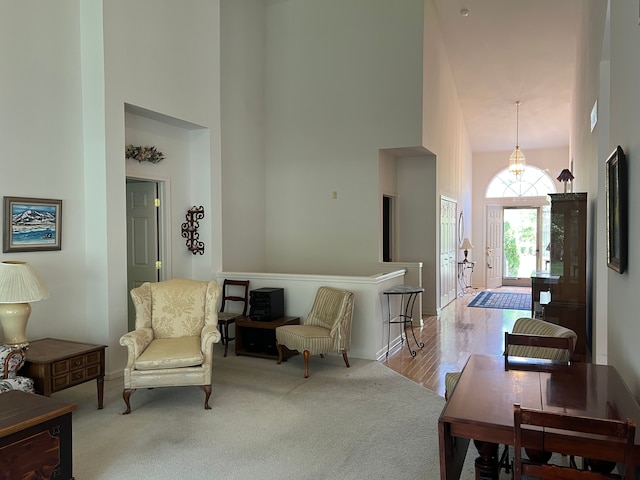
x: 13, y: 319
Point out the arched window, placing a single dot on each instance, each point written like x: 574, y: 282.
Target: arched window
x: 532, y: 183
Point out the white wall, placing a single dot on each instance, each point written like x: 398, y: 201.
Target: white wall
x: 621, y: 116
x: 343, y: 79
x: 42, y: 149
x: 243, y: 134
x: 589, y: 149
x: 445, y: 136
x: 418, y: 215
x: 624, y: 329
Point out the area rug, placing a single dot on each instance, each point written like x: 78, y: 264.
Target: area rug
x: 266, y: 422
x: 503, y: 300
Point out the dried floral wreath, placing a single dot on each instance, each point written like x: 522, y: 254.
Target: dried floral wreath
x: 144, y: 154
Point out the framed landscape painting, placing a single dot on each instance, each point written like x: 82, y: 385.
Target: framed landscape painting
x: 31, y: 224
x: 616, y: 190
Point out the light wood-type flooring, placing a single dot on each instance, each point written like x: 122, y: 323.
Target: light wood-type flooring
x: 451, y: 337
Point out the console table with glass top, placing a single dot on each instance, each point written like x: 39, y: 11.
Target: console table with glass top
x: 408, y: 295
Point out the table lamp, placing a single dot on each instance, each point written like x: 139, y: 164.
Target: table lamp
x: 565, y: 177
x: 19, y: 285
x: 466, y: 246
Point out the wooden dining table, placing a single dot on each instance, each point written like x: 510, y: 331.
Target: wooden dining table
x: 481, y: 408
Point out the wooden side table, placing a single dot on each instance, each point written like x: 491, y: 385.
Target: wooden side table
x: 258, y: 339
x: 35, y: 436
x: 55, y: 365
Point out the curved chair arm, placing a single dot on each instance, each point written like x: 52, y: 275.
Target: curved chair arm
x: 136, y: 341
x: 11, y: 359
x: 210, y: 335
x: 341, y: 331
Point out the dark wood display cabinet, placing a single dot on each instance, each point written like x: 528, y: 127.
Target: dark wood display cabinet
x: 567, y: 280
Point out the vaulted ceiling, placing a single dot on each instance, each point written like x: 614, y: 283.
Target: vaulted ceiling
x: 503, y: 51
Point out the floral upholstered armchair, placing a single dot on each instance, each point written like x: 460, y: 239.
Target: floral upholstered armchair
x: 172, y: 344
x: 11, y: 360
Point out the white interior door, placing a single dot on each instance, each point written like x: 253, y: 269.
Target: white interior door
x: 142, y: 237
x: 494, y: 246
x: 448, y: 250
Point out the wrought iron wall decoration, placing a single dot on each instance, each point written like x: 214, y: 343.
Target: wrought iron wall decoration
x: 190, y: 230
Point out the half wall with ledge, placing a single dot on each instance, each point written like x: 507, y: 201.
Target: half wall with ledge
x: 369, y: 327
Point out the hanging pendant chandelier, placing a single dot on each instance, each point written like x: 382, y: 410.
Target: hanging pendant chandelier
x: 517, y: 161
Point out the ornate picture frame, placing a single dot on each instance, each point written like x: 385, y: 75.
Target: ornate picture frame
x: 617, y: 204
x: 31, y: 224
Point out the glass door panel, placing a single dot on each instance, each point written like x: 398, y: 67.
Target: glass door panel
x: 521, y: 246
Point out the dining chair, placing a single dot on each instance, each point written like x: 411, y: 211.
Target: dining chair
x: 534, y: 341
x: 536, y: 352
x: 586, y: 437
x: 226, y: 318
x: 542, y: 328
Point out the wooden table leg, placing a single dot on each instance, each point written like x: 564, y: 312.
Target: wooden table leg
x: 487, y: 463
x: 453, y: 451
x: 100, y: 386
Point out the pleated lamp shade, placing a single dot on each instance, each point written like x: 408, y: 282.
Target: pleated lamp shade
x: 19, y: 285
x: 466, y: 244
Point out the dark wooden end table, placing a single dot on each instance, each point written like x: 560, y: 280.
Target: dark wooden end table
x: 55, y: 365
x: 258, y: 339
x: 35, y: 436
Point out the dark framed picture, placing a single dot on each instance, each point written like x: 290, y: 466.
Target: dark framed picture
x: 32, y: 224
x: 616, y: 191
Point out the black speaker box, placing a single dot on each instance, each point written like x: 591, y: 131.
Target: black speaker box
x: 266, y: 304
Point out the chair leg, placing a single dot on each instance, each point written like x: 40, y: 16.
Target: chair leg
x: 226, y: 337
x: 221, y: 330
x: 279, y: 348
x: 306, y: 356
x: 346, y: 359
x: 207, y: 393
x: 126, y: 394
x: 504, y: 460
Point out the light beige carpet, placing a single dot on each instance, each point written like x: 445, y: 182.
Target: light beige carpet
x: 266, y: 422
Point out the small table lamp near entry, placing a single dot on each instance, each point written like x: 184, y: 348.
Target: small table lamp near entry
x: 19, y: 285
x: 466, y: 246
x: 566, y: 177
